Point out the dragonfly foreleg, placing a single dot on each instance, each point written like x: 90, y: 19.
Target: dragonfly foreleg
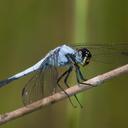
x: 79, y: 74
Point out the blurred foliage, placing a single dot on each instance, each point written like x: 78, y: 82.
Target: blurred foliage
x: 30, y: 28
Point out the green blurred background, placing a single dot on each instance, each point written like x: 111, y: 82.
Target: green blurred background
x: 30, y: 28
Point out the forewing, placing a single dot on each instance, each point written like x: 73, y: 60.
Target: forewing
x: 43, y: 82
x: 108, y: 53
x: 33, y: 89
x: 40, y: 85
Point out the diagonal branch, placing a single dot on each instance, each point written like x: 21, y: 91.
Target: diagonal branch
x: 4, y: 118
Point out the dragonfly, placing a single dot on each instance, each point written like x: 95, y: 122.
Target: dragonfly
x: 61, y: 56
x: 65, y: 55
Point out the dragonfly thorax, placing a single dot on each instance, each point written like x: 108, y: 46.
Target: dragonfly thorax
x: 83, y: 56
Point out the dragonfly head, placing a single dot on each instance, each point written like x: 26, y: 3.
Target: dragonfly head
x: 85, y: 56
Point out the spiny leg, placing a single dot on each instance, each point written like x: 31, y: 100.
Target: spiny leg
x: 79, y: 74
x: 63, y: 89
x: 65, y: 81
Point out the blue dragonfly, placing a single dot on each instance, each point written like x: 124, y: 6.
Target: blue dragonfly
x: 63, y: 56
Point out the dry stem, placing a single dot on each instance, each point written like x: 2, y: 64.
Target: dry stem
x: 4, y: 118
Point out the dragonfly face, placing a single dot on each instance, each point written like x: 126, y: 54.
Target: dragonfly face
x: 85, y: 56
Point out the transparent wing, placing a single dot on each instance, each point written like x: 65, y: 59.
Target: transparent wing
x: 33, y: 89
x: 108, y: 53
x: 42, y: 83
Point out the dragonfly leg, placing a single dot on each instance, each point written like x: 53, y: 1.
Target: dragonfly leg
x: 63, y: 89
x: 65, y: 81
x: 79, y: 74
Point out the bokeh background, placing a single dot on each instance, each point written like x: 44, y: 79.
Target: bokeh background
x: 30, y: 28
